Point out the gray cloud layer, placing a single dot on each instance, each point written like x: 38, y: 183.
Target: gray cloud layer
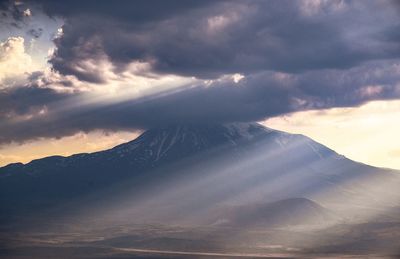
x: 294, y: 55
x: 253, y: 98
x: 227, y: 37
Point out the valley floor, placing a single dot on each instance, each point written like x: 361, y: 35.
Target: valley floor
x: 372, y: 240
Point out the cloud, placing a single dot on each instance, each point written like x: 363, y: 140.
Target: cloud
x: 44, y: 112
x: 224, y: 61
x: 14, y: 14
x: 44, y: 116
x: 214, y: 38
x: 14, y: 61
x: 24, y: 102
x: 18, y: 69
x: 27, y: 12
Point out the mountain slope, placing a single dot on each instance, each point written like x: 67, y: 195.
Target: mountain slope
x: 183, y: 168
x: 288, y: 212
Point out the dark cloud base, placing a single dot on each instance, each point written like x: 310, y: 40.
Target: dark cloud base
x: 254, y: 98
x: 294, y: 57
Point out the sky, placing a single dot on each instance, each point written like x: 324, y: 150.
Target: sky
x: 82, y: 76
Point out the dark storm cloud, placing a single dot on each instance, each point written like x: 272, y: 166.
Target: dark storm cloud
x: 208, y: 39
x: 23, y: 101
x: 196, y: 104
x: 294, y: 56
x: 126, y: 10
x: 253, y: 98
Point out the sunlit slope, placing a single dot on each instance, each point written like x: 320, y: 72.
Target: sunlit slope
x: 183, y: 173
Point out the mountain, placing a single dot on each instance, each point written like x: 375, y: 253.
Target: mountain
x: 199, y: 190
x: 181, y: 172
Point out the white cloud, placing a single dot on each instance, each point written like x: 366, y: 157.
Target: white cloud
x: 237, y: 77
x: 27, y: 12
x: 15, y: 63
x: 218, y: 23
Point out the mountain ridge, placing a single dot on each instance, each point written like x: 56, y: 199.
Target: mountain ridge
x: 234, y: 163
x: 136, y: 141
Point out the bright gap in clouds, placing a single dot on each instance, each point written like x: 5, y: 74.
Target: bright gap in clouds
x: 368, y: 134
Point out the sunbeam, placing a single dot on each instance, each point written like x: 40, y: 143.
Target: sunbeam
x: 188, y: 129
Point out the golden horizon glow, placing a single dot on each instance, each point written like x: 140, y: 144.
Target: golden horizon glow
x: 367, y: 134
x: 66, y: 146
